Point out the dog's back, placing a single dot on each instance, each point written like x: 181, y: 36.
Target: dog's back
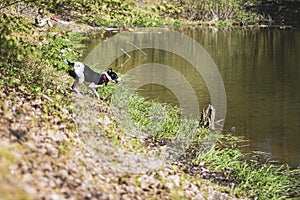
x: 83, y: 72
x: 90, y: 76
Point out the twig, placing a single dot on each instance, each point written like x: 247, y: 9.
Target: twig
x: 125, y: 53
x: 129, y: 57
x: 48, y: 98
x: 94, y: 65
x: 51, y: 100
x: 136, y: 47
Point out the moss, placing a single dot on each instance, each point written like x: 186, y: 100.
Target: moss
x: 13, y: 193
x: 8, y: 189
x: 5, y: 155
x: 6, y: 159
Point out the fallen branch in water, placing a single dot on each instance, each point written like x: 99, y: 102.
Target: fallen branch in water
x: 143, y: 52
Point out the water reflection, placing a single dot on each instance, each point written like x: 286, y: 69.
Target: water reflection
x: 261, y: 72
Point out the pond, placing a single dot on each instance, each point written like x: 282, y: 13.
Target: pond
x: 260, y: 69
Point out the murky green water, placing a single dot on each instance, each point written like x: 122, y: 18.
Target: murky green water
x: 261, y: 74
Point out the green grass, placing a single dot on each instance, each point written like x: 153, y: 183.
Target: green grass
x: 219, y: 152
x: 252, y: 179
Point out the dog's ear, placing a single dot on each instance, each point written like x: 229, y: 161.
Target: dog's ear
x: 109, y: 71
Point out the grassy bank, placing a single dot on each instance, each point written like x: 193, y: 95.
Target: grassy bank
x: 201, y: 153
x: 44, y: 142
x: 158, y: 13
x: 168, y: 13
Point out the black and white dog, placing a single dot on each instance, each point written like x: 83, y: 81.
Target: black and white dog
x: 84, y: 74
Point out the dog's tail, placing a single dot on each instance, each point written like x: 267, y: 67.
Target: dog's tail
x: 71, y: 64
x: 71, y: 72
x: 62, y: 53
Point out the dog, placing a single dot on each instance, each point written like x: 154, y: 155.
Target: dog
x: 84, y: 74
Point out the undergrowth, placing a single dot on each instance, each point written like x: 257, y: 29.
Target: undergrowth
x: 128, y: 13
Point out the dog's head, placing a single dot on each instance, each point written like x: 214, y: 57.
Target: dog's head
x: 114, y: 76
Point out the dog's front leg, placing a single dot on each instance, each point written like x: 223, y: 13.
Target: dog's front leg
x: 96, y: 93
x: 94, y: 88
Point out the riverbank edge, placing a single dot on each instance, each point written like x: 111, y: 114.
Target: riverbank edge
x: 42, y: 152
x: 45, y: 99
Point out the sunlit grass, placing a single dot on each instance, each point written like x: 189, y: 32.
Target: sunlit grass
x: 252, y: 179
x: 219, y: 152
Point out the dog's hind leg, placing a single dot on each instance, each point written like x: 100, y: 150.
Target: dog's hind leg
x: 75, y: 86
